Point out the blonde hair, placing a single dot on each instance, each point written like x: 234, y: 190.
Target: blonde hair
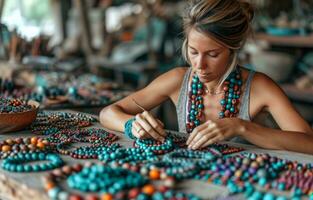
x: 227, y: 21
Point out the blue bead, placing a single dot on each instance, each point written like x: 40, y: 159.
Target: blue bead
x: 269, y: 196
x: 200, y: 106
x: 197, y: 122
x: 228, y: 106
x: 200, y: 85
x: 232, y: 109
x: 221, y: 114
x: 222, y: 102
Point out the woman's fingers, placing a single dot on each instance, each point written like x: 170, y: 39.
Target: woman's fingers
x: 208, y: 125
x: 154, y: 123
x: 148, y: 128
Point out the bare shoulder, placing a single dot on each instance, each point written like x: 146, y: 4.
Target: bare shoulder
x: 169, y: 82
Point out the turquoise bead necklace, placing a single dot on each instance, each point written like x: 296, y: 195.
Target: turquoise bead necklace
x: 100, y: 178
x: 155, y: 146
x: 229, y: 102
x: 17, y: 163
x: 129, y: 155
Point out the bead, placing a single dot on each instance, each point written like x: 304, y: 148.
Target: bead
x: 148, y: 189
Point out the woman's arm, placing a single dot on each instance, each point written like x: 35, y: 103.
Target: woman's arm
x: 114, y: 116
x: 295, y: 133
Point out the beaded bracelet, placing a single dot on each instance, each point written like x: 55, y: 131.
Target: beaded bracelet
x: 16, y: 163
x: 128, y: 128
x: 155, y: 146
x: 129, y: 155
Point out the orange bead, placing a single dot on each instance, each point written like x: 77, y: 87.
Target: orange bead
x: 6, y: 148
x: 106, y: 196
x: 148, y: 189
x: 41, y: 145
x: 49, y: 185
x: 154, y: 174
x: 34, y: 140
x: 9, y: 141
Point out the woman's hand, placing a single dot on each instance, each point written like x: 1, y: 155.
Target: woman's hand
x: 146, y: 126
x: 213, y: 131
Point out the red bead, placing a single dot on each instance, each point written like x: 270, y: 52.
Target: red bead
x: 227, y: 113
x: 133, y: 193
x: 75, y: 197
x: 225, y: 88
x: 92, y: 197
x: 234, y: 101
x: 200, y: 92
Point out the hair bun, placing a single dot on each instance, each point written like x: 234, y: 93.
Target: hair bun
x: 247, y: 9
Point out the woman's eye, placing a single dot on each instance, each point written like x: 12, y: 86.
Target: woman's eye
x: 193, y: 52
x: 214, y: 55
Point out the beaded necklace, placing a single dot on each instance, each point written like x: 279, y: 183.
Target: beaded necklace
x: 229, y: 102
x: 17, y: 163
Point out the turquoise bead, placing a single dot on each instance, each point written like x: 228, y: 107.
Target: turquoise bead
x: 269, y: 196
x: 223, y: 102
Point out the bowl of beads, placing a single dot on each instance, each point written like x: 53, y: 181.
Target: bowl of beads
x: 15, y: 114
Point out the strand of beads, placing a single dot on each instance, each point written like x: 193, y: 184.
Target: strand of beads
x: 51, y: 122
x: 129, y: 155
x: 14, y: 106
x: 164, y: 169
x: 199, y: 158
x: 223, y: 148
x: 155, y: 146
x: 229, y: 102
x: 11, y: 147
x: 105, y: 179
x: 17, y: 163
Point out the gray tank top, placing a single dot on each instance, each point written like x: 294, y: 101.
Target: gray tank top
x: 183, y: 98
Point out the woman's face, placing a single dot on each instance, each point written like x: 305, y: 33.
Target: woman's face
x: 208, y: 58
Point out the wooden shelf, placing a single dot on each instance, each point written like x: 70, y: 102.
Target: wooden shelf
x: 288, y: 41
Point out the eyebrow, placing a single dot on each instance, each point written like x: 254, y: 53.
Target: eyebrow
x: 205, y: 51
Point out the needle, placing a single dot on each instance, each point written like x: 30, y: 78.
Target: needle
x: 137, y: 104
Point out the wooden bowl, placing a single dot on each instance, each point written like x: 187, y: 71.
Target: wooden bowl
x: 18, y: 121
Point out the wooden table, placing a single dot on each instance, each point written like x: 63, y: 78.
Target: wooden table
x: 26, y: 186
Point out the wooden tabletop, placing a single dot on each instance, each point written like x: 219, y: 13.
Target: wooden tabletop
x: 30, y: 186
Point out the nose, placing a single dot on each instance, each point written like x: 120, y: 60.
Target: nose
x: 201, y: 64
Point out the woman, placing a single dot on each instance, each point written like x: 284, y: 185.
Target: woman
x: 215, y: 98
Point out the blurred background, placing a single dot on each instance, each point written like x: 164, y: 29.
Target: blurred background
x: 86, y: 54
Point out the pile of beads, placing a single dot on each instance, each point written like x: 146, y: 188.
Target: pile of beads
x: 51, y: 122
x: 297, y: 178
x: 105, y: 179
x: 156, y: 147
x: 129, y: 155
x: 14, y: 106
x: 164, y: 169
x: 11, y: 147
x: 237, y: 171
x: 147, y: 191
x: 17, y: 163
